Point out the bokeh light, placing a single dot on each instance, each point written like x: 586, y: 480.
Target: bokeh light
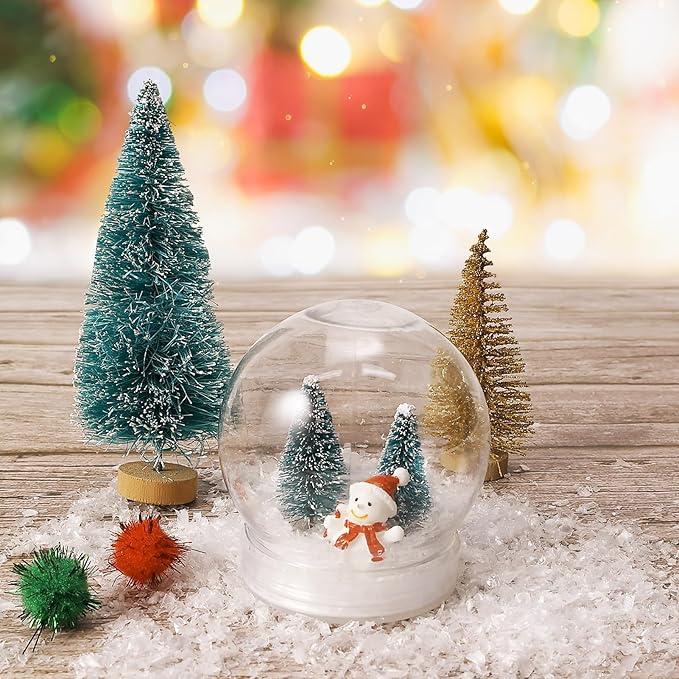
x: 578, y: 17
x: 225, y: 90
x: 460, y: 207
x: 312, y: 250
x: 133, y: 13
x: 136, y: 81
x: 527, y: 104
x: 584, y: 112
x: 406, y: 4
x: 421, y: 204
x: 290, y: 404
x: 325, y: 51
x: 431, y: 244
x: 206, y: 45
x: 658, y: 184
x: 220, y: 13
x: 640, y: 43
x: 518, y: 6
x: 275, y: 255
x: 46, y: 151
x: 390, y: 42
x: 386, y: 251
x: 564, y: 239
x: 403, y: 133
x: 15, y: 242
x: 497, y: 213
x: 79, y: 120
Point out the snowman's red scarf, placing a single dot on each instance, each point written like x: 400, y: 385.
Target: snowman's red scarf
x: 370, y: 532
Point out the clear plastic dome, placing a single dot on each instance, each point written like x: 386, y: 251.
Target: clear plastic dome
x: 360, y: 396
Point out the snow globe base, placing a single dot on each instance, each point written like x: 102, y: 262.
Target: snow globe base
x: 176, y: 484
x: 340, y: 590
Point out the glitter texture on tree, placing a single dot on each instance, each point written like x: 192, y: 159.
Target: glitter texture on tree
x: 481, y: 331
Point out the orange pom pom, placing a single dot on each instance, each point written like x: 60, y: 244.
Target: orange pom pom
x: 143, y: 551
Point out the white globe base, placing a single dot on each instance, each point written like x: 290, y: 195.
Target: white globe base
x: 344, y: 592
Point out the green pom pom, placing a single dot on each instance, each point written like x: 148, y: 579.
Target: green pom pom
x: 54, y: 590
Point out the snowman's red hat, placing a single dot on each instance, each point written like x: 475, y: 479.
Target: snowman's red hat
x: 382, y: 488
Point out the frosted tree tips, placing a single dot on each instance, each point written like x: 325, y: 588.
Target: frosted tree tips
x: 310, y: 381
x: 404, y: 409
x: 149, y: 91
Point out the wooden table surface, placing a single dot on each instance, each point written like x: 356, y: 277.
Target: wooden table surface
x: 602, y: 363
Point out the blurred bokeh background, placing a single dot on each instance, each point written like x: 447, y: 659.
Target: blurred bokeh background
x: 353, y: 137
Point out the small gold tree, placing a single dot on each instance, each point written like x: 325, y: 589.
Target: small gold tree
x: 448, y: 414
x: 484, y: 335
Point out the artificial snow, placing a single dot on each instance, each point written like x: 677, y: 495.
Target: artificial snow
x: 405, y: 409
x: 256, y: 478
x: 542, y: 594
x: 310, y: 381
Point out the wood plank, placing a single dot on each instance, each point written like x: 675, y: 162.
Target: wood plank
x: 241, y: 327
x: 601, y: 359
x: 623, y: 482
x: 611, y: 364
x: 625, y: 291
x: 37, y: 418
x: 621, y: 295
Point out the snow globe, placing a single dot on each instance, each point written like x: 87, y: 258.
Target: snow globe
x: 353, y: 440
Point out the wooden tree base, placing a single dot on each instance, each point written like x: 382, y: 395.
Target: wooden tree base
x: 175, y: 485
x: 497, y: 468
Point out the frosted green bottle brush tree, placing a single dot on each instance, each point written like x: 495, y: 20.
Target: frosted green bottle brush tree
x: 151, y: 366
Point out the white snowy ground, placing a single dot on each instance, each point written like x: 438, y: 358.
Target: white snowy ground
x: 543, y: 594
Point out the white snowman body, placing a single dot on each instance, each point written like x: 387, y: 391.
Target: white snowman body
x: 359, y: 526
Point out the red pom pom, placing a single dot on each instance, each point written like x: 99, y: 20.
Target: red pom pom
x: 143, y: 551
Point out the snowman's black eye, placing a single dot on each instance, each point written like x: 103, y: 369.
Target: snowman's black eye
x: 370, y: 504
x: 355, y: 499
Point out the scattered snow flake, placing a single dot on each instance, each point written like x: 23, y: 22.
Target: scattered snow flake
x: 477, y: 658
x: 541, y: 595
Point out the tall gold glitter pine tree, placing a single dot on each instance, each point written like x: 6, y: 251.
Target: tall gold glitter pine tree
x: 481, y: 331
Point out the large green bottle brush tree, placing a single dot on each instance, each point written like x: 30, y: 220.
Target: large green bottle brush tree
x: 151, y: 367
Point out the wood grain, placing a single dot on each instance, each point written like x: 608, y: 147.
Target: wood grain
x: 602, y: 361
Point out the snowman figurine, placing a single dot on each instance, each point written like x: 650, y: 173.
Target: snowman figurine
x: 361, y: 523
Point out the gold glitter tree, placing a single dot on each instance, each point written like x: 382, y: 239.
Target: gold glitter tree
x: 481, y: 331
x: 448, y: 414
